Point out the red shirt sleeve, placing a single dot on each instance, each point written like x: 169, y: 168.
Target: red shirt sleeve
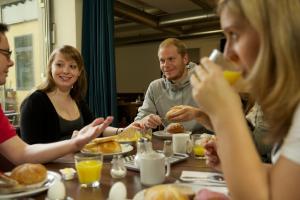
x: 6, y: 129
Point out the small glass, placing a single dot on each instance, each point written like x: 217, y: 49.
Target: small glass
x: 118, y: 169
x: 168, y: 148
x: 147, y: 133
x: 231, y: 71
x: 198, y: 149
x: 89, y: 167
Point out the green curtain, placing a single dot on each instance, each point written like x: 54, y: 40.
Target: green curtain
x: 99, y: 56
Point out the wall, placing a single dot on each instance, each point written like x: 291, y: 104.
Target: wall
x: 137, y: 65
x: 67, y: 17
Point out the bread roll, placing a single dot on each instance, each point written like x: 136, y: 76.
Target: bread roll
x: 105, y: 147
x: 171, y: 111
x: 27, y: 174
x: 175, y: 128
x: 168, y: 192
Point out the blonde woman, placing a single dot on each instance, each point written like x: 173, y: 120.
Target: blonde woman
x: 263, y: 39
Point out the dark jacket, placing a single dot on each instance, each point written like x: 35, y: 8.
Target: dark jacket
x: 39, y: 121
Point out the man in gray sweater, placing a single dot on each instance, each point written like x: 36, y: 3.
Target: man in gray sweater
x: 173, y: 89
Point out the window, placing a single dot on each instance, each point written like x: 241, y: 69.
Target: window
x: 29, y: 39
x: 24, y: 62
x: 19, y: 11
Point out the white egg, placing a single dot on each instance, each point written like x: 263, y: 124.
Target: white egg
x: 118, y: 192
x: 57, y: 190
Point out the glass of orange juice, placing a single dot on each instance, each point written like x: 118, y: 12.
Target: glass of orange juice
x: 230, y: 70
x: 89, y: 167
x: 197, y: 146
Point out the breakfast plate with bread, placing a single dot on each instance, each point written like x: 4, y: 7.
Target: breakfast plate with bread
x: 180, y: 191
x: 172, y: 128
x: 107, y: 148
x: 25, y: 180
x: 173, y: 191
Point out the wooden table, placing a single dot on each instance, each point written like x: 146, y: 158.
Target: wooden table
x: 132, y: 179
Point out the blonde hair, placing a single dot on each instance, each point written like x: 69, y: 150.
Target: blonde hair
x: 180, y: 45
x: 274, y: 79
x: 79, y: 89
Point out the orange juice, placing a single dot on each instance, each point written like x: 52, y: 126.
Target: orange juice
x: 198, y: 150
x: 89, y: 171
x: 231, y: 76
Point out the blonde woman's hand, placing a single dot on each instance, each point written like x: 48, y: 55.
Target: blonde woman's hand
x: 91, y: 131
x: 212, y: 156
x: 204, y: 120
x: 211, y: 91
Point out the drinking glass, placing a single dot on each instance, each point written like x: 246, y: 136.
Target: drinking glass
x: 89, y: 167
x: 198, y: 149
x: 231, y: 71
x: 147, y: 133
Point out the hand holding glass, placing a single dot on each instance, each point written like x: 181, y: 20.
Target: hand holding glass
x: 230, y: 71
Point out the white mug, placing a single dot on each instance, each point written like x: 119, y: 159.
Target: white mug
x: 152, y: 168
x: 181, y: 142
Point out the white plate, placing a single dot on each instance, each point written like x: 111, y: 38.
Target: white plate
x: 125, y: 149
x: 166, y: 135
x: 51, y: 177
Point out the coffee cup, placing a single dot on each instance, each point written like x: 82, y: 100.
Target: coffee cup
x: 153, y: 168
x: 181, y: 142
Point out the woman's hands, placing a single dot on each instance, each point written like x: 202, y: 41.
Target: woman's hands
x: 214, y: 95
x: 206, y: 194
x: 91, y: 131
x: 211, y: 153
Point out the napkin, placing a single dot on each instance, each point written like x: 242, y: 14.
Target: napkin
x: 204, y: 180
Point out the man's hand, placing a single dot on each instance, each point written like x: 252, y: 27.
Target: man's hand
x: 150, y: 121
x: 182, y: 113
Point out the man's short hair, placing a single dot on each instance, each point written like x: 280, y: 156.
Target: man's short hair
x: 3, y: 28
x: 181, y: 47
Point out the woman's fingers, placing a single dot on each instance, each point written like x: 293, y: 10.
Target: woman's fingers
x: 101, y: 126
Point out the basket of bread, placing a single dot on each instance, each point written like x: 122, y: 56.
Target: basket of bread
x: 106, y: 145
x: 23, y: 177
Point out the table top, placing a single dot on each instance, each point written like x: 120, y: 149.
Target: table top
x: 131, y: 180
